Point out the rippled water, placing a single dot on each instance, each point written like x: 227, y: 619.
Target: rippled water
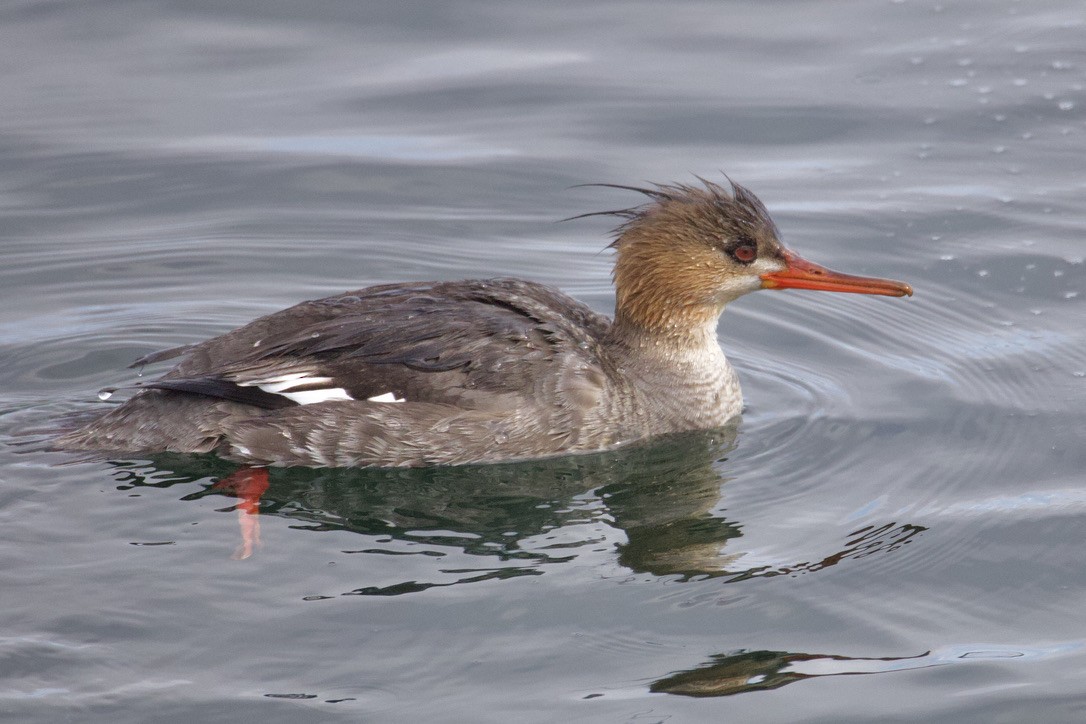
x: 893, y: 532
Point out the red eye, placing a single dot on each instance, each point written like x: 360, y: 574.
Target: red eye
x: 746, y: 253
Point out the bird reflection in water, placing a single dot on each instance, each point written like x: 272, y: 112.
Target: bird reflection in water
x: 744, y: 671
x: 664, y: 498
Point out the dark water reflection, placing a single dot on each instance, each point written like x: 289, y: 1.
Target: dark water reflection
x: 729, y: 674
x: 747, y: 671
x: 664, y: 498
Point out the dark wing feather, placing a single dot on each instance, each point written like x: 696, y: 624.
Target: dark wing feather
x: 162, y: 355
x: 452, y: 342
x: 224, y: 390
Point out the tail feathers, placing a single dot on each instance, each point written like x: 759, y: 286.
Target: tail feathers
x: 157, y: 421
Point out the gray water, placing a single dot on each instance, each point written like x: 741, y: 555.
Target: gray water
x: 893, y: 533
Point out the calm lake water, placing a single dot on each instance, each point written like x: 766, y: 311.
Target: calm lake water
x: 895, y: 530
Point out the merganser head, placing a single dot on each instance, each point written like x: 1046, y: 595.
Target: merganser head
x: 692, y: 249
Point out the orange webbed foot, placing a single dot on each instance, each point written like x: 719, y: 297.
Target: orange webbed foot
x: 248, y: 484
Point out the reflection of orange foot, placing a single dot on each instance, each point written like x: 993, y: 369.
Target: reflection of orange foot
x: 248, y: 484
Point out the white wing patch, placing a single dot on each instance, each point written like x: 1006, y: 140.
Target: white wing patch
x: 311, y: 397
x: 387, y: 397
x: 300, y: 387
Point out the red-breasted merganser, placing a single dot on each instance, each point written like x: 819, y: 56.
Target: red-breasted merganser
x: 480, y: 371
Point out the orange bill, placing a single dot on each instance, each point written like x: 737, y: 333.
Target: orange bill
x: 802, y: 274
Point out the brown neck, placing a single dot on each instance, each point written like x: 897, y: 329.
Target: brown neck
x: 660, y: 303
x: 641, y: 325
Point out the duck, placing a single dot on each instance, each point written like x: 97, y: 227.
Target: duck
x: 482, y: 370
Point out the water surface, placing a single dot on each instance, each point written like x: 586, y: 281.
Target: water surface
x: 893, y: 532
